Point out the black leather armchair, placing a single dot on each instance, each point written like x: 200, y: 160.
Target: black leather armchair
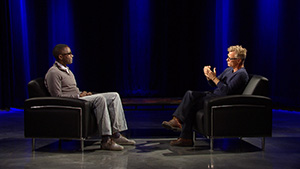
x: 246, y: 115
x: 56, y: 117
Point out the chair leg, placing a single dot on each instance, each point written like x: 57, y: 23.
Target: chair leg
x: 82, y: 144
x: 211, y: 144
x: 263, y: 143
x: 194, y: 137
x: 33, y: 144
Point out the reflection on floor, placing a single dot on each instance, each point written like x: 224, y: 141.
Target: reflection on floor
x: 152, y: 149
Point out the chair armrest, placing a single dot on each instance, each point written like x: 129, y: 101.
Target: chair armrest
x: 237, y: 99
x: 57, y: 101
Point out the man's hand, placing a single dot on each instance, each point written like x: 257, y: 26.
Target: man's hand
x: 210, y: 75
x: 85, y: 93
x: 206, y: 70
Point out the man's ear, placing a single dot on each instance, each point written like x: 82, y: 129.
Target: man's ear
x: 60, y: 57
x: 240, y: 61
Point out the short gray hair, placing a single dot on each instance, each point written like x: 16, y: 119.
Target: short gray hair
x: 239, y: 50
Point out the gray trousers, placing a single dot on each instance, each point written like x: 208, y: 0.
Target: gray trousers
x: 109, y: 112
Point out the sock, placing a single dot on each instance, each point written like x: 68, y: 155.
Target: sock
x: 105, y: 138
x: 116, y: 135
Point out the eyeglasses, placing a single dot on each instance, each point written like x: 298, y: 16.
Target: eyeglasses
x: 231, y: 58
x: 70, y: 53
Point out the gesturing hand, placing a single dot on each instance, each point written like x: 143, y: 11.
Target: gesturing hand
x: 206, y: 70
x: 210, y: 75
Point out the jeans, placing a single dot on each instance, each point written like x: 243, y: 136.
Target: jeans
x: 186, y: 111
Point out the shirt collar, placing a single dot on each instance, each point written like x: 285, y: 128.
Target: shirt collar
x: 62, y: 67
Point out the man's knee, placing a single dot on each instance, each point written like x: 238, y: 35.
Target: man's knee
x: 188, y: 93
x: 115, y: 95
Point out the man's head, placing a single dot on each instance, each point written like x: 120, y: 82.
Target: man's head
x: 63, y: 54
x: 236, y: 56
x: 239, y: 51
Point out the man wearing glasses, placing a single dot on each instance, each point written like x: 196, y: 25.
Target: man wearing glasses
x: 231, y: 81
x: 108, y: 109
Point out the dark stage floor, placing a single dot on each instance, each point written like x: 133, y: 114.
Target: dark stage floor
x: 152, y: 149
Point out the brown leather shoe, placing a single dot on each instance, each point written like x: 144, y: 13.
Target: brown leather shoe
x: 173, y: 124
x: 182, y: 142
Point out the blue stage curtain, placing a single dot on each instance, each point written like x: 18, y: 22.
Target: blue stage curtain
x: 29, y: 31
x: 137, y: 53
x: 15, y: 59
x: 149, y: 48
x: 5, y: 62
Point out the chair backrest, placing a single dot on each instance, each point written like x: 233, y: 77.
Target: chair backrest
x: 37, y: 88
x: 258, y: 85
